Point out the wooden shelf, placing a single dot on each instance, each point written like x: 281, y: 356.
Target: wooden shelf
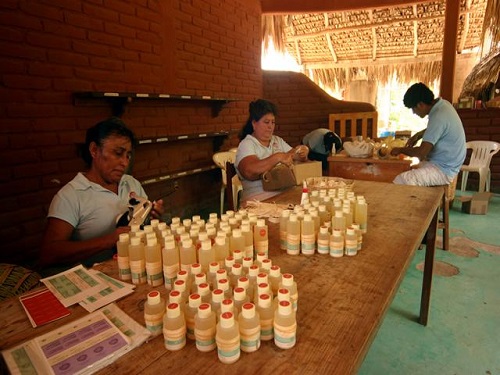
x: 119, y: 100
x: 172, y: 176
x: 175, y: 138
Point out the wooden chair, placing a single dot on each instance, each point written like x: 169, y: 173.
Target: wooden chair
x: 225, y: 161
x: 347, y: 125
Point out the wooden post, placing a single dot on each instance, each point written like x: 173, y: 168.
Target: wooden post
x: 449, y: 49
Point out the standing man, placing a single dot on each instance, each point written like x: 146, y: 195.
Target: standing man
x: 321, y: 142
x: 442, y: 151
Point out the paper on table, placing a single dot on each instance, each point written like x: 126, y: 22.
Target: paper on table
x: 112, y: 290
x: 42, y: 306
x: 28, y: 358
x: 73, y: 285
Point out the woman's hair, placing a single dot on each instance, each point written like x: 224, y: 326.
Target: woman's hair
x: 418, y: 93
x: 256, y: 110
x: 102, y: 130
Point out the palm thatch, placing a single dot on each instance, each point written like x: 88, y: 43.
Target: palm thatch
x: 379, y: 43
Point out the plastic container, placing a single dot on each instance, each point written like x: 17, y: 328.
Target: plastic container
x: 285, y: 326
x: 307, y: 236
x: 204, y: 328
x: 266, y: 315
x: 261, y: 239
x: 174, y: 328
x: 288, y: 282
x: 170, y: 258
x: 228, y: 339
x: 249, y: 324
x: 337, y: 244
x: 191, y: 310
x: 154, y: 265
x: 351, y: 242
x: 122, y: 257
x: 323, y: 240
x: 293, y: 235
x: 137, y: 261
x: 187, y: 254
x: 154, y: 309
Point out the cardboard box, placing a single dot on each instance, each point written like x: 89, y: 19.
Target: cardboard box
x: 476, y: 204
x: 307, y: 169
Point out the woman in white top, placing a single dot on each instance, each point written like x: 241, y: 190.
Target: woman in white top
x: 81, y: 223
x: 260, y: 150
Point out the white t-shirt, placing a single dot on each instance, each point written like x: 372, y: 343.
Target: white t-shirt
x: 251, y: 146
x: 91, y: 209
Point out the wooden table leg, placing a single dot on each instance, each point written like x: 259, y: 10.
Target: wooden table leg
x: 428, y: 266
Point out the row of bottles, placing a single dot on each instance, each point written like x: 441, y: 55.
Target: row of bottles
x: 310, y: 228
x: 146, y: 256
x: 229, y: 330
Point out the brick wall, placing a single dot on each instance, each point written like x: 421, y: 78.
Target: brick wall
x: 50, y: 49
x: 302, y: 105
x: 482, y: 125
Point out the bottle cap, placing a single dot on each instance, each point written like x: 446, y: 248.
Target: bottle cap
x: 287, y: 279
x: 285, y: 308
x: 248, y: 310
x: 275, y: 271
x: 182, y: 275
x: 154, y: 297
x: 239, y: 293
x: 243, y: 282
x: 174, y: 296
x: 134, y: 241
x: 236, y: 269
x: 195, y: 268
x: 221, y: 274
x: 262, y: 277
x: 227, y: 319
x: 217, y: 295
x: 206, y: 245
x: 173, y: 310
x: 214, y: 267
x: 152, y: 241
x: 188, y: 242
x: 264, y: 300
x: 204, y: 310
x: 223, y: 284
x: 124, y: 237
x: 194, y: 300
x: 261, y: 222
x: 283, y: 294
x: 227, y: 305
x: 180, y: 285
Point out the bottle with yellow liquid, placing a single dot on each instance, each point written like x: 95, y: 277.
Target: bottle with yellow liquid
x: 261, y: 239
x: 154, y: 266
x: 123, y: 258
x: 174, y: 328
x: 137, y: 261
x: 204, y: 328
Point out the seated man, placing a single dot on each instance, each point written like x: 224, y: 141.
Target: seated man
x: 320, y: 143
x: 442, y: 151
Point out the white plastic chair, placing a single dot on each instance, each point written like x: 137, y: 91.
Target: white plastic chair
x: 220, y: 159
x: 480, y: 159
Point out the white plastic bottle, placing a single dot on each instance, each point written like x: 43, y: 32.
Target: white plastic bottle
x: 228, y: 339
x: 123, y: 258
x: 236, y: 241
x: 274, y: 278
x: 191, y: 310
x: 174, y: 328
x: 213, y: 267
x: 289, y: 283
x: 217, y: 298
x: 137, y: 261
x: 359, y: 234
x: 247, y: 234
x: 249, y: 322
x: 239, y: 298
x: 351, y: 242
x: 170, y: 258
x: 154, y: 309
x: 221, y: 248
x: 266, y: 314
x: 206, y: 255
x: 361, y: 213
x: 285, y: 215
x: 307, y: 236
x: 187, y: 254
x: 337, y: 243
x: 338, y: 221
x: 204, y: 328
x: 154, y: 265
x: 261, y: 239
x: 285, y: 326
x: 293, y: 235
x: 323, y: 240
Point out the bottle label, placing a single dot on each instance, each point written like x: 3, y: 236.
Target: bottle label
x: 154, y: 326
x: 285, y: 337
x: 228, y: 354
x: 250, y: 343
x: 175, y: 342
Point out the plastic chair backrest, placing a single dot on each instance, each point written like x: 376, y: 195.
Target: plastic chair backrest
x: 482, y: 152
x: 220, y: 159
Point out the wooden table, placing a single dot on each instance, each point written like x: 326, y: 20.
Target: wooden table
x: 342, y: 301
x: 369, y: 169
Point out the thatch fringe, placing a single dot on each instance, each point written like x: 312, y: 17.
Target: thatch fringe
x: 273, y: 28
x: 337, y: 78
x: 490, y: 36
x: 482, y: 78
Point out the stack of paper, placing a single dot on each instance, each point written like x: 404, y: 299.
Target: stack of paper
x: 42, y: 307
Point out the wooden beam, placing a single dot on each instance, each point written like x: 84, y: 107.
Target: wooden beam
x: 415, y: 32
x: 361, y: 27
x: 463, y: 37
x: 449, y: 49
x: 369, y: 62
x: 321, y: 6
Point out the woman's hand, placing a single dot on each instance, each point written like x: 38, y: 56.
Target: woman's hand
x: 300, y: 153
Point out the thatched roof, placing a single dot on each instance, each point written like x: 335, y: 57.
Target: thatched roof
x: 407, y: 39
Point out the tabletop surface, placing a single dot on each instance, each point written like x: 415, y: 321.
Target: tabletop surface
x: 348, y: 159
x: 342, y: 301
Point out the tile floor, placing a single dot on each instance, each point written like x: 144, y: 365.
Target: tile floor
x: 463, y: 334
